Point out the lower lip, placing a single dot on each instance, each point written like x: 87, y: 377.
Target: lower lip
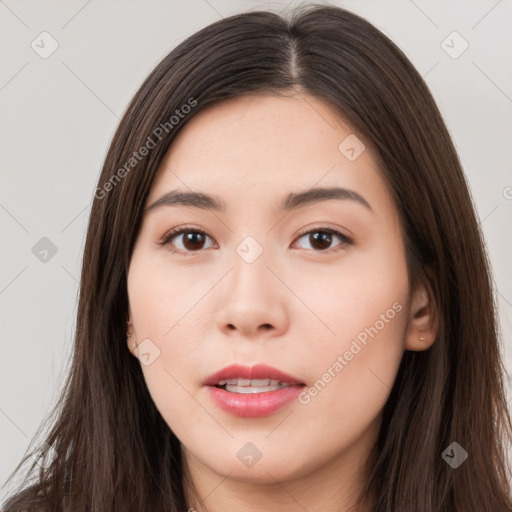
x: 254, y: 405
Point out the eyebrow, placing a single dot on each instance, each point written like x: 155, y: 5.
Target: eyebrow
x: 293, y: 201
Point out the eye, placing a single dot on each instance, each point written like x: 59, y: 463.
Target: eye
x: 192, y: 241
x: 321, y: 238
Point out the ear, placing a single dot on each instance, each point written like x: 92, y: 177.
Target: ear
x: 423, y: 321
x: 129, y: 329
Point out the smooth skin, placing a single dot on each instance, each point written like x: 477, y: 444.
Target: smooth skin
x: 297, y: 307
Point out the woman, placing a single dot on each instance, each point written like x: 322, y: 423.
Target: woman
x: 285, y: 298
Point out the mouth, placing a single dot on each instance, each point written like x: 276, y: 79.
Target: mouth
x: 259, y: 378
x: 252, y: 392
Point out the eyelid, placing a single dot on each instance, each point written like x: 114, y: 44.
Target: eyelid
x: 324, y: 227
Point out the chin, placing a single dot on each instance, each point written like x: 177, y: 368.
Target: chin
x: 266, y: 470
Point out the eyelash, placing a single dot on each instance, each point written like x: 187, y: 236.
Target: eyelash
x: 168, y: 237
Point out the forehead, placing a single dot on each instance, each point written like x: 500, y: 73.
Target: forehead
x: 268, y: 145
x: 263, y: 125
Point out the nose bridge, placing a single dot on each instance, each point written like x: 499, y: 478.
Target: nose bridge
x: 252, y: 298
x: 250, y: 273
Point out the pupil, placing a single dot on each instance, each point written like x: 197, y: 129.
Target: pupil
x: 191, y: 238
x: 322, y: 236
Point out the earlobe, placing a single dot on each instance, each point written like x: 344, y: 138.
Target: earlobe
x: 423, y: 325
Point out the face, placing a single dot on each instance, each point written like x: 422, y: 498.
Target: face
x: 314, y: 286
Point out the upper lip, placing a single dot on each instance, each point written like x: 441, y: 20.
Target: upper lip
x: 258, y: 371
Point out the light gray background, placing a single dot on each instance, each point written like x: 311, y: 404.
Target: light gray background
x: 59, y: 114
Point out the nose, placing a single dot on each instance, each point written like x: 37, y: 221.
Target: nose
x: 253, y: 301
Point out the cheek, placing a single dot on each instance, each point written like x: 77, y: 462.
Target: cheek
x: 354, y: 370
x: 351, y: 376
x: 169, y: 328
x: 163, y: 298
x: 349, y: 297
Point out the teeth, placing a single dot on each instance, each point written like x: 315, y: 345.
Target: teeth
x: 253, y: 389
x: 261, y: 382
x: 252, y: 385
x: 249, y: 382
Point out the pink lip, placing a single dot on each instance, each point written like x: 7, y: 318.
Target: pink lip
x: 252, y: 405
x: 258, y: 371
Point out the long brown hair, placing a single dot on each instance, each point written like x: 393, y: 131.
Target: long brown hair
x: 114, y: 450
